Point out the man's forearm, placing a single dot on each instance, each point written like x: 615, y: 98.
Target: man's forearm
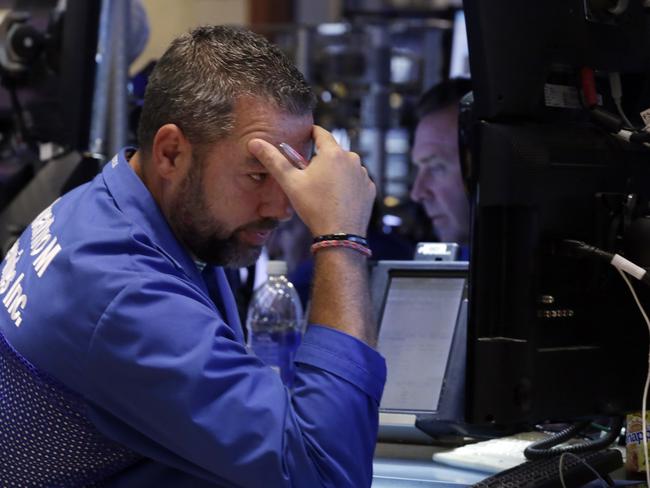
x: 340, y: 296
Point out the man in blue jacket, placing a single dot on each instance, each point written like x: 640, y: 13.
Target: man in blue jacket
x: 117, y: 289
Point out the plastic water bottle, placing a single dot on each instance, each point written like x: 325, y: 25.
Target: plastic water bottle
x: 274, y: 321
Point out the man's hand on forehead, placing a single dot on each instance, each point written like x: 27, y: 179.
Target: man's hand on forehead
x: 332, y: 194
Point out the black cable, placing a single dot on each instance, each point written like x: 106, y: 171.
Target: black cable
x: 614, y: 125
x: 546, y: 447
x: 572, y: 247
x: 640, y: 137
x: 608, y: 120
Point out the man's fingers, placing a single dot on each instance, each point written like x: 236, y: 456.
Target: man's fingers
x: 322, y: 137
x: 270, y: 157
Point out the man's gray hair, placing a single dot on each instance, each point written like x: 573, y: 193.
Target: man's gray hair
x: 197, y: 81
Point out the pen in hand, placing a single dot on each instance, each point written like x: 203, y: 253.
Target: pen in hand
x: 292, y: 155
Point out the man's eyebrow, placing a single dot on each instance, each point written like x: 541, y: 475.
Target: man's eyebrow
x: 251, y: 161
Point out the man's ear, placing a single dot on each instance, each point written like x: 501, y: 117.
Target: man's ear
x: 171, y: 152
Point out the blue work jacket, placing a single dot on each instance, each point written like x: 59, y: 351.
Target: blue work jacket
x: 99, y: 294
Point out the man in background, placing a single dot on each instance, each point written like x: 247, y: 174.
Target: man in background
x: 438, y: 186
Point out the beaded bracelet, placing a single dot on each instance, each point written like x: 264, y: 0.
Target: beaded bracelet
x: 365, y: 250
x: 342, y: 236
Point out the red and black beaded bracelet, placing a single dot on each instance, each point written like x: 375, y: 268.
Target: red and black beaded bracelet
x: 342, y: 236
x: 365, y: 250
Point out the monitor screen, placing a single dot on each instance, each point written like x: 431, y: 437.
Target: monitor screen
x: 419, y: 307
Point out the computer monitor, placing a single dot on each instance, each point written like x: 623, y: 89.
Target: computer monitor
x: 520, y: 50
x: 551, y: 336
x: 421, y: 310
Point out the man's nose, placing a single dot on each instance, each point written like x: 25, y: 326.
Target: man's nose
x: 419, y: 187
x: 275, y: 204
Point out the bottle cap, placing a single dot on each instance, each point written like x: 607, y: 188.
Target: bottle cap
x: 276, y: 268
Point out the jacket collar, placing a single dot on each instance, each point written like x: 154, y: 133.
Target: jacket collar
x: 133, y: 198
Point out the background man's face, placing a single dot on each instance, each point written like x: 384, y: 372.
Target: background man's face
x: 439, y: 186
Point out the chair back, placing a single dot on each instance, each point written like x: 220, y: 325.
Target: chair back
x: 46, y: 438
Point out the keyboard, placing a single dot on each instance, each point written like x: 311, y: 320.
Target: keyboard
x: 491, y: 456
x: 545, y: 473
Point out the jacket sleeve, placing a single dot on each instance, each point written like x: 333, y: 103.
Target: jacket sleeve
x: 168, y: 378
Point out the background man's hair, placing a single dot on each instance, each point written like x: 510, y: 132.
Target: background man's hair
x: 198, y: 79
x: 442, y: 95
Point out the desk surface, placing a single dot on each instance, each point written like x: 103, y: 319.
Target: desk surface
x: 411, y: 466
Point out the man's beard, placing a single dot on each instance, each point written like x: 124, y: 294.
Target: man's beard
x: 207, y: 239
